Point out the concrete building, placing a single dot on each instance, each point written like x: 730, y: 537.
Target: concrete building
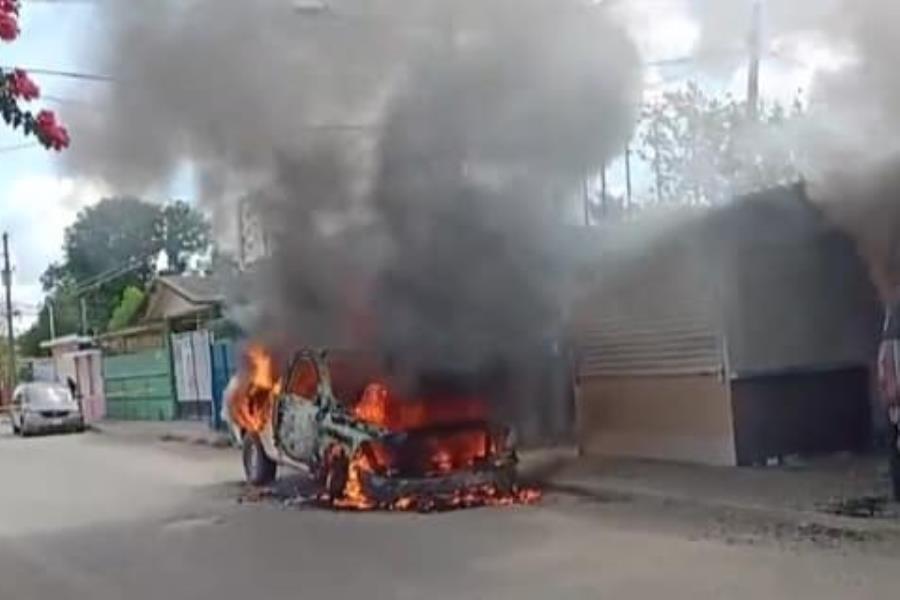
x: 61, y: 352
x: 726, y: 336
x: 75, y: 358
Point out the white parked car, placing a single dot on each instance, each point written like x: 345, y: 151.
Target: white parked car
x: 43, y: 407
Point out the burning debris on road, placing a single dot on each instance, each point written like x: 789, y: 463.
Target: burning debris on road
x: 333, y: 415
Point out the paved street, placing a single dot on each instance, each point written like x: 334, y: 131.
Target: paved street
x: 95, y: 517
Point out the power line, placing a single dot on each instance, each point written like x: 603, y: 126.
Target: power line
x: 61, y: 99
x: 17, y: 147
x: 67, y: 74
x: 98, y: 280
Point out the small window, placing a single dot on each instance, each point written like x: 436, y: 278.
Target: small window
x: 304, y: 380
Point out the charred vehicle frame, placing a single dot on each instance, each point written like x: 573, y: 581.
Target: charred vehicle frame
x: 308, y: 427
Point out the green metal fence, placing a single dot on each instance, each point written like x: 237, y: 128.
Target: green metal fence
x: 139, y: 386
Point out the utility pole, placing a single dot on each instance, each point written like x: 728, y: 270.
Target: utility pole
x: 587, y: 203
x: 242, y: 233
x: 52, y: 316
x: 83, y: 304
x: 604, y: 198
x: 10, y: 334
x: 627, y: 177
x: 755, y: 52
x: 657, y: 171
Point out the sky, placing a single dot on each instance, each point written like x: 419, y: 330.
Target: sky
x: 39, y: 198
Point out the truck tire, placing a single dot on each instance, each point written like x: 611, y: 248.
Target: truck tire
x: 259, y: 469
x: 895, y: 466
x: 337, y: 471
x: 506, y: 480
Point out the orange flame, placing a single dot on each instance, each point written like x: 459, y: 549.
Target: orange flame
x: 367, y: 460
x: 433, y: 454
x: 258, y: 383
x: 355, y: 495
x: 379, y: 407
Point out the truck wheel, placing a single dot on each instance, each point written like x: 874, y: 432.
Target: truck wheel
x: 337, y: 468
x: 506, y: 480
x: 895, y: 470
x: 259, y: 469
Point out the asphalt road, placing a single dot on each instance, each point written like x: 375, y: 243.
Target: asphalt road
x: 94, y: 518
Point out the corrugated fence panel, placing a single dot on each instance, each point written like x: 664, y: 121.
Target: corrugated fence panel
x: 670, y: 347
x: 139, y: 386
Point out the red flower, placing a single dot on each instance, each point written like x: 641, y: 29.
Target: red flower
x: 9, y: 7
x: 9, y: 27
x: 21, y: 86
x: 49, y: 132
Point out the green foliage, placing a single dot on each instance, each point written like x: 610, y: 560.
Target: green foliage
x: 111, y: 234
x: 127, y: 310
x: 66, y: 313
x: 121, y: 238
x: 185, y: 233
x: 115, y: 233
x: 704, y: 150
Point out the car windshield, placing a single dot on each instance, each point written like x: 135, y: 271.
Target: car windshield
x: 48, y: 394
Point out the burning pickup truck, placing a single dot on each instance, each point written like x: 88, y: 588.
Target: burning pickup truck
x: 333, y: 417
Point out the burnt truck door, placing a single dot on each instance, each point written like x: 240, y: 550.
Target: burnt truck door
x: 298, y: 411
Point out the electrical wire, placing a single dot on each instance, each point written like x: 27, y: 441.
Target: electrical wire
x: 17, y: 147
x: 61, y: 73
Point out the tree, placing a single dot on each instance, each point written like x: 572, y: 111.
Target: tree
x: 115, y: 245
x: 116, y: 241
x: 66, y: 320
x: 17, y: 88
x: 185, y: 233
x: 127, y: 310
x: 704, y: 150
x: 115, y: 233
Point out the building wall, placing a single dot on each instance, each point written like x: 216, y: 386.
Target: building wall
x: 89, y: 379
x: 166, y: 304
x: 43, y: 369
x: 800, y: 413
x: 754, y: 289
x: 650, y: 363
x: 797, y: 293
x: 680, y: 418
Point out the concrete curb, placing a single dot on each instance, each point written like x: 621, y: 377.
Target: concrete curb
x: 547, y: 469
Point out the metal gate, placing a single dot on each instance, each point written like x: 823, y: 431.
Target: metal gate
x: 224, y: 366
x: 192, y: 364
x: 138, y: 386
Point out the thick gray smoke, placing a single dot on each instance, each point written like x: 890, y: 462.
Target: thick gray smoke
x: 404, y: 156
x: 849, y: 140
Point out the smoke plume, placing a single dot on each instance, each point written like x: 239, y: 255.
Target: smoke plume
x: 403, y: 156
x: 848, y: 142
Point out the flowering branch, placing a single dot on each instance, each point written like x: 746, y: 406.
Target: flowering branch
x: 16, y: 87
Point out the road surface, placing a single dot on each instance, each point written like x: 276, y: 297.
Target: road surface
x: 95, y: 518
